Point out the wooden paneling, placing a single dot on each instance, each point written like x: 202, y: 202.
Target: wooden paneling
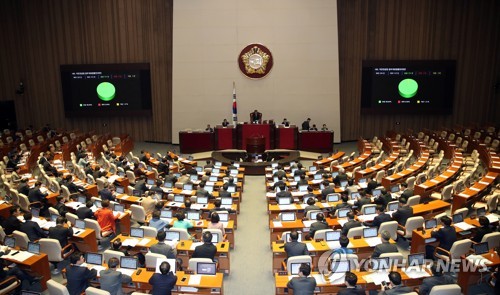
x: 42, y: 35
x: 461, y: 30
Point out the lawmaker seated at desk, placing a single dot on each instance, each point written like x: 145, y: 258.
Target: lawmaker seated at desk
x: 163, y: 282
x: 255, y: 117
x: 209, y: 129
x: 303, y: 284
x: 385, y: 247
x: 294, y: 247
x: 318, y: 225
x: 78, y: 276
x: 111, y: 279
x: 207, y: 249
x: 395, y: 285
x: 351, y: 288
x: 447, y: 235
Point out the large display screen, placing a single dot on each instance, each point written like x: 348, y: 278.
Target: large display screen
x: 408, y: 87
x: 106, y: 89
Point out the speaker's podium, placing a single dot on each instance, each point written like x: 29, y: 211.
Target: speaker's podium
x: 248, y: 132
x: 225, y: 137
x: 286, y: 137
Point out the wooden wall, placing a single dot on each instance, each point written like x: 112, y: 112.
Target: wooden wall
x: 462, y: 30
x: 39, y: 36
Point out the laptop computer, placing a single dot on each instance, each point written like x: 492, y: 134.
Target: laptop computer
x: 98, y: 203
x: 481, y: 248
x: 296, y: 178
x: 215, y: 239
x: 150, y: 181
x: 215, y: 170
x: 307, y: 199
x: 193, y: 177
x: 381, y: 264
x: 10, y: 242
x: 212, y: 178
x: 93, y: 258
x: 317, y: 177
x: 90, y: 180
x: 431, y: 223
x: 128, y: 265
x: 193, y: 215
x: 121, y: 174
x: 179, y: 198
x: 80, y: 224
x: 288, y: 216
x: 119, y: 208
x: 314, y: 214
x: 202, y: 200
x: 376, y: 192
x: 224, y: 217
x: 340, y: 266
x: 226, y: 201
x: 342, y: 213
x: 172, y: 235
x: 33, y: 248
x: 334, y: 174
x: 137, y: 232
x: 295, y: 268
x: 393, y: 206
x: 286, y: 237
x: 120, y: 190
x: 355, y: 195
x: 82, y: 199
x: 35, y: 212
x: 53, y: 217
x: 198, y: 169
x: 457, y: 218
x: 168, y: 184
x: 303, y: 188
x: 481, y: 211
x: 136, y: 193
x: 369, y: 210
x: 331, y: 236
x: 284, y: 201
x: 370, y: 232
x: 206, y: 268
x: 313, y: 168
x: 187, y: 187
x: 343, y: 183
x: 166, y: 213
x: 231, y: 188
x: 416, y: 259
x: 332, y: 197
x: 209, y: 188
x: 395, y: 188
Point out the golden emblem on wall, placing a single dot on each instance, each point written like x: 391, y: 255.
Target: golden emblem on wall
x: 255, y: 61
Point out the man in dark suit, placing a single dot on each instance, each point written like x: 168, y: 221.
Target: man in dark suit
x: 340, y: 177
x: 394, y: 286
x: 305, y: 124
x: 157, y: 187
x: 140, y: 185
x: 163, y: 167
x: 351, y: 223
x: 31, y: 228
x: 407, y: 193
x: 380, y: 218
x: 384, y: 198
x: 223, y: 193
x: 372, y: 184
x: 446, y: 236
x: 255, y: 116
x: 344, y: 204
x: 23, y: 187
x: 161, y: 247
x: 385, y: 247
x: 12, y: 223
x: 163, y: 282
x: 303, y: 285
x: 403, y: 213
x: 327, y: 189
x: 60, y: 207
x: 295, y: 248
x: 106, y: 193
x: 438, y: 278
x: 78, y: 276
x: 318, y: 225
x: 283, y: 193
x: 483, y: 230
x: 84, y: 211
x: 60, y: 232
x: 278, y: 183
x: 111, y: 280
x: 364, y: 200
x: 36, y: 195
x: 350, y: 282
x: 207, y: 250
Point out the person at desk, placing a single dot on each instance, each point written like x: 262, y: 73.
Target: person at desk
x: 148, y: 203
x: 85, y: 211
x: 407, y: 192
x: 144, y: 157
x: 215, y: 223
x: 438, y: 278
x: 371, y: 185
x: 163, y: 167
x: 23, y: 187
x: 223, y: 193
x: 311, y: 205
x: 384, y: 198
x: 225, y: 123
x: 403, y: 213
x: 111, y: 280
x: 97, y: 173
x: 483, y: 230
x: 278, y: 183
x: 313, y: 128
x: 83, y: 161
x: 78, y: 276
x: 36, y: 195
x: 285, y: 122
x: 302, y: 180
x: 180, y: 222
x: 283, y: 193
x: 60, y: 207
x: 324, y: 128
x: 447, y: 235
x: 341, y: 176
x: 107, y: 193
x: 255, y: 117
x: 380, y: 218
x: 17, y: 272
x: 202, y: 192
x: 305, y: 124
x: 161, y: 247
x: 209, y: 129
x: 157, y: 187
x: 351, y: 223
x: 31, y: 228
x: 106, y: 219
x: 385, y: 247
x: 217, y: 207
x: 344, y: 204
x: 328, y: 189
x: 12, y: 222
x: 364, y: 200
x: 394, y: 286
x: 318, y: 225
x: 61, y: 232
x: 163, y: 282
x: 294, y: 247
x: 157, y: 222
x: 303, y: 284
x: 140, y: 184
x: 351, y: 288
x: 207, y: 249
x: 117, y: 246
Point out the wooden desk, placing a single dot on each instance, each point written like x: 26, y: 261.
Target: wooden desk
x: 184, y: 252
x: 431, y: 185
x: 474, y: 193
x: 276, y: 230
x: 5, y: 210
x: 316, y: 141
x: 274, y: 209
x: 327, y: 161
x: 195, y: 142
x: 38, y: 264
x: 431, y: 208
x: 246, y: 131
x: 365, y: 151
x: 286, y: 137
x: 467, y: 278
x: 85, y: 241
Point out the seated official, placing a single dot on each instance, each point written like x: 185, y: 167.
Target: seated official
x: 364, y: 200
x: 302, y: 180
x: 303, y: 284
x: 324, y: 128
x: 23, y: 187
x: 447, y: 235
x: 60, y: 207
x: 108, y: 192
x: 180, y: 222
x: 384, y: 198
x: 207, y: 250
x: 209, y: 129
x: 278, y: 183
x: 403, y: 213
x: 328, y: 189
x: 386, y: 246
x: 438, y: 278
x: 106, y: 219
x: 394, y: 286
x: 85, y: 211
x: 351, y: 223
x: 31, y: 228
x: 163, y: 167
x: 78, y: 276
x: 223, y: 193
x: 217, y: 207
x: 311, y: 205
x: 62, y: 231
x: 111, y: 280
x: 157, y: 187
x: 12, y: 222
x: 318, y: 225
x: 215, y: 223
x: 350, y: 282
x: 163, y: 282
x: 407, y: 193
x: 36, y: 195
x: 483, y: 230
x: 295, y: 248
x: 161, y: 247
x: 341, y: 176
x: 380, y: 218
x: 255, y: 117
x: 313, y: 128
x: 157, y: 222
x: 202, y: 192
x: 305, y: 124
x: 344, y: 204
x: 344, y: 242
x: 117, y: 246
x: 225, y: 123
x: 8, y: 269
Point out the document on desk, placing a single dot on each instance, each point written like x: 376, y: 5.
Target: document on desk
x: 342, y: 221
x: 194, y: 279
x: 41, y: 222
x: 194, y: 245
x: 73, y: 205
x: 333, y: 245
x: 377, y: 277
x: 307, y: 223
x: 130, y: 242
x: 492, y: 218
x: 198, y: 206
x: 144, y: 242
x: 271, y: 194
x: 464, y: 225
x: 20, y: 256
x: 416, y: 272
x: 478, y: 260
x: 283, y: 207
x: 48, y: 225
x: 372, y: 242
x: 310, y: 247
x: 277, y: 224
x: 112, y: 178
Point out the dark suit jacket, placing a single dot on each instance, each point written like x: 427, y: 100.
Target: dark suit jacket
x: 111, y: 281
x: 379, y: 219
x: 35, y: 195
x: 430, y: 282
x: 61, y: 234
x: 163, y: 168
x: 407, y: 193
x: 11, y: 224
x: 446, y: 236
x: 78, y: 278
x: 317, y: 226
x: 352, y: 291
x: 384, y: 248
x: 24, y: 189
x: 83, y: 212
x: 371, y: 186
x: 396, y: 290
x: 402, y: 214
x: 61, y: 208
x: 340, y: 177
x: 326, y: 191
x: 480, y: 232
x: 302, y: 285
x: 106, y: 194
x: 163, y: 284
x: 350, y: 224
x: 363, y: 201
x: 296, y: 249
x: 33, y: 230
x: 284, y: 194
x: 205, y: 251
x: 224, y: 194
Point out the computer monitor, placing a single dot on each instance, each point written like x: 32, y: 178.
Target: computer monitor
x: 193, y: 177
x: 193, y: 215
x: 150, y: 181
x: 296, y: 178
x: 332, y: 198
x: 215, y: 239
x: 458, y: 217
x: 343, y: 183
x: 119, y: 208
x: 321, y: 186
x: 172, y: 235
x: 481, y: 248
x: 313, y: 168
x: 120, y: 190
x: 342, y: 213
x: 287, y: 239
x: 93, y: 258
x: 136, y: 232
x: 10, y: 242
x: 82, y: 199
x: 284, y: 201
x: 121, y: 173
x: 288, y: 216
x: 362, y: 180
x: 334, y: 174
x: 179, y: 198
x: 233, y: 172
x: 206, y: 268
x: 176, y: 175
x: 481, y: 211
x: 187, y: 187
x: 168, y: 184
x: 231, y: 188
x: 166, y: 213
x: 224, y: 217
x: 53, y: 217
x: 416, y: 259
x: 136, y: 193
x: 212, y: 178
x: 215, y: 170
x: 331, y: 236
x: 307, y: 199
x: 226, y: 201
x: 340, y: 266
x: 33, y: 248
x: 376, y: 192
x: 35, y: 212
x: 393, y: 206
x: 370, y: 232
x: 218, y: 164
x: 98, y: 203
x: 295, y: 268
x: 128, y: 262
x: 431, y: 223
x: 395, y: 188
x: 314, y: 214
x: 368, y: 210
x: 355, y: 195
x: 198, y: 169
x: 275, y: 179
x: 274, y: 165
x: 303, y: 188
x: 209, y: 188
x: 80, y: 224
x: 202, y: 200
x: 380, y: 263
x: 317, y: 176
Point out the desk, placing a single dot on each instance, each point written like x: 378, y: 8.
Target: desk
x: 276, y: 229
x: 38, y: 264
x: 389, y: 161
x: 286, y: 137
x: 327, y: 161
x: 184, y: 252
x: 5, y: 210
x: 474, y: 193
x: 85, y: 241
x: 365, y: 152
x: 246, y: 131
x: 431, y: 185
x: 195, y: 142
x: 208, y: 284
x: 431, y: 208
x: 225, y: 138
x: 467, y: 278
x: 316, y: 141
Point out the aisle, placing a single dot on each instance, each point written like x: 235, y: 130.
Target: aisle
x: 251, y: 260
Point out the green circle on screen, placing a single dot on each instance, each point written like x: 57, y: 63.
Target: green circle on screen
x: 106, y: 91
x: 408, y: 88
